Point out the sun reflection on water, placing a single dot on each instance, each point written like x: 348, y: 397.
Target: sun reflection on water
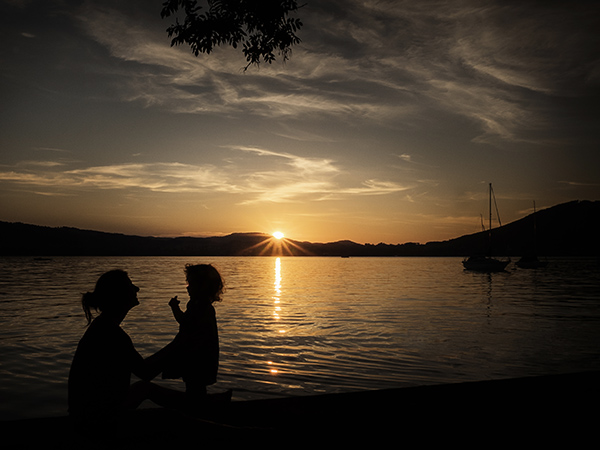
x: 277, y: 280
x: 276, y: 302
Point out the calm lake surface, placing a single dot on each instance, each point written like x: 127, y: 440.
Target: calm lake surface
x: 309, y: 325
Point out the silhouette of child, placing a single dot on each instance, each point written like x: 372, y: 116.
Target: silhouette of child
x: 197, y: 359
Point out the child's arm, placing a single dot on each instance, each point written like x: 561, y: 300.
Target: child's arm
x: 177, y: 312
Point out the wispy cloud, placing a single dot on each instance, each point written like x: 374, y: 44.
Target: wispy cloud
x: 302, y: 164
x: 288, y: 178
x: 374, y: 61
x: 158, y: 177
x: 314, y: 178
x: 579, y: 183
x: 170, y: 78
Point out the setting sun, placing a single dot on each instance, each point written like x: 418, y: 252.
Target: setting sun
x: 278, y: 235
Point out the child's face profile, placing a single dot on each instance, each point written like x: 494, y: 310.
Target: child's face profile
x: 194, y: 289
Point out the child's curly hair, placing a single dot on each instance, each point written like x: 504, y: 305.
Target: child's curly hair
x: 206, y: 279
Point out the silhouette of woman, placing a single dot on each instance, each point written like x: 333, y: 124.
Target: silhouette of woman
x: 99, y: 387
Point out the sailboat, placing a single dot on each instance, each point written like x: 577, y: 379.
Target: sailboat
x: 531, y: 261
x: 487, y: 263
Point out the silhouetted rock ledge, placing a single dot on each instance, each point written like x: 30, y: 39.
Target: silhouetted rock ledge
x: 569, y: 229
x: 557, y: 409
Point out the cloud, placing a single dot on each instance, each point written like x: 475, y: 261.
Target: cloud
x: 306, y: 178
x: 286, y: 178
x: 172, y: 79
x: 578, y: 183
x: 506, y: 68
x: 303, y: 165
x: 156, y: 177
x: 376, y: 187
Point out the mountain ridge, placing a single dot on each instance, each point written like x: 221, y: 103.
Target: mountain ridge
x: 567, y: 229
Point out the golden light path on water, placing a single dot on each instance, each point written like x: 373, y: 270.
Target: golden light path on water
x: 277, y: 301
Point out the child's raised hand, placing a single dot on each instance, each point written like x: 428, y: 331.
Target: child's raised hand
x: 173, y: 302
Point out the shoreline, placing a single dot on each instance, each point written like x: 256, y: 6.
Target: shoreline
x: 531, y: 409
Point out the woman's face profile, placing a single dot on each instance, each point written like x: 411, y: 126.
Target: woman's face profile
x: 129, y: 294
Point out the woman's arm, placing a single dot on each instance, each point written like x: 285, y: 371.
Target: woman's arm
x: 148, y: 368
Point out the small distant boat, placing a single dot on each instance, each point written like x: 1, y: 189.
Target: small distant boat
x: 531, y: 261
x: 487, y: 263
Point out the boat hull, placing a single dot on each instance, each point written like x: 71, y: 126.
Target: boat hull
x: 482, y: 264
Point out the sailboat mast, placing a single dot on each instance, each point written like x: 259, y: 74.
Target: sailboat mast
x: 534, y: 220
x: 490, y: 207
x: 534, y: 230
x: 490, y: 223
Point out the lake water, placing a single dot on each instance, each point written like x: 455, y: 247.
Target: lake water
x: 310, y: 325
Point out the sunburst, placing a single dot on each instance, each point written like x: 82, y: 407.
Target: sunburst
x: 276, y: 244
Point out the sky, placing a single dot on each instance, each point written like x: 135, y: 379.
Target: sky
x: 386, y: 125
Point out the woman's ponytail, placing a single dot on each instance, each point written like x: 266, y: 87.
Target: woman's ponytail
x: 89, y: 302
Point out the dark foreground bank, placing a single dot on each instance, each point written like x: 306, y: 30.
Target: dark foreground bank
x: 535, y: 410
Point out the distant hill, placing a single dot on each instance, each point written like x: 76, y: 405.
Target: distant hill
x: 568, y: 229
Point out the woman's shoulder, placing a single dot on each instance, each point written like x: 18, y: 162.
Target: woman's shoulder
x: 105, y: 330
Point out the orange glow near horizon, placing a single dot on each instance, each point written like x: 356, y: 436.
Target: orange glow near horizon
x: 278, y: 235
